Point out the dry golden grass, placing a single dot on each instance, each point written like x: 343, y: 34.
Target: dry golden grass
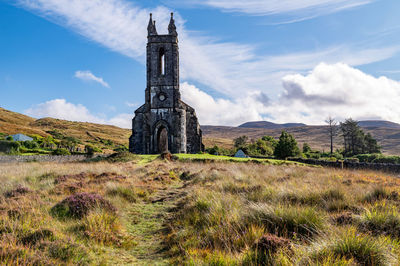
x: 219, y: 213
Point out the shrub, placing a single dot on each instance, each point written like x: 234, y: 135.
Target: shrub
x: 367, y: 158
x: 10, y: 147
x: 360, y: 248
x: 91, y: 149
x: 9, y: 138
x: 30, y: 144
x: 79, y: 205
x: 387, y: 159
x: 61, y: 151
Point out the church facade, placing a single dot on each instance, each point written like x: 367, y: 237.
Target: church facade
x: 164, y: 122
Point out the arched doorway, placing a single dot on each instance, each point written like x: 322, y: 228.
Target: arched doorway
x: 162, y: 140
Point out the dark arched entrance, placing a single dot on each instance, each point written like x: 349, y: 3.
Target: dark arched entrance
x: 162, y: 140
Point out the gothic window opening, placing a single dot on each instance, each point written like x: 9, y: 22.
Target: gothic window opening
x: 161, y: 63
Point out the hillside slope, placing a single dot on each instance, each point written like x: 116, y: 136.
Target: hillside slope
x: 13, y: 123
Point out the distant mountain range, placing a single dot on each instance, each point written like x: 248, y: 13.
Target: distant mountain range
x: 270, y: 125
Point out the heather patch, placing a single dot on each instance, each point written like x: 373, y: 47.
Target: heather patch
x: 79, y: 205
x: 19, y: 191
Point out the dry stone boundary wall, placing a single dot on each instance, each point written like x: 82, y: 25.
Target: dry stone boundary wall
x: 41, y: 158
x: 392, y: 168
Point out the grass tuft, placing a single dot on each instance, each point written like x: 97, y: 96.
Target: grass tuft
x: 351, y: 246
x: 104, y: 228
x: 286, y: 221
x: 380, y: 193
x: 381, y: 220
x: 127, y: 193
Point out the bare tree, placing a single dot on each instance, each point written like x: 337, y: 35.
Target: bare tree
x: 332, y: 129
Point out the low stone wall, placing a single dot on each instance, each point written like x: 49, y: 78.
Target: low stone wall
x: 41, y: 158
x: 393, y: 168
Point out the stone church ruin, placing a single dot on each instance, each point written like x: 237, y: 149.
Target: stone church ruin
x: 164, y: 122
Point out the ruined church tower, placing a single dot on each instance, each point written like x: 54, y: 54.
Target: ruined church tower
x: 164, y: 122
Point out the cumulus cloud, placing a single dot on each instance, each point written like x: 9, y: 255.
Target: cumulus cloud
x: 340, y: 90
x: 220, y: 111
x: 89, y: 76
x: 337, y: 90
x: 61, y: 109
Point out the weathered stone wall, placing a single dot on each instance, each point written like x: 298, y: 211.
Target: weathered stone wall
x: 42, y: 158
x: 392, y: 168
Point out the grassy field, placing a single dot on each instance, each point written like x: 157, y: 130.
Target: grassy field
x: 197, y: 210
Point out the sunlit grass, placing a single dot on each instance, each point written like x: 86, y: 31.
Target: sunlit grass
x: 200, y: 210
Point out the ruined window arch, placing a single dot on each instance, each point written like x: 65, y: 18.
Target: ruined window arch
x: 161, y: 62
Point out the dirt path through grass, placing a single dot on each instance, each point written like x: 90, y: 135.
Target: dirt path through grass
x: 148, y: 224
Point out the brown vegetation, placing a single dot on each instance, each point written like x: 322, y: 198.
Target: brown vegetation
x: 199, y: 213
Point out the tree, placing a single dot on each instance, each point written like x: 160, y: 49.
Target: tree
x: 356, y: 141
x: 306, y: 148
x: 240, y: 142
x: 371, y: 144
x: 286, y: 147
x: 351, y: 135
x: 332, y: 130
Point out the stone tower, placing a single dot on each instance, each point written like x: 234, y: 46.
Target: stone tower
x: 164, y: 122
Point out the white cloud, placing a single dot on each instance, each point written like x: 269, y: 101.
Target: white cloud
x: 61, y: 109
x: 121, y: 120
x: 237, y: 71
x: 338, y: 90
x: 300, y: 9
x: 132, y: 105
x: 220, y: 111
x: 89, y: 76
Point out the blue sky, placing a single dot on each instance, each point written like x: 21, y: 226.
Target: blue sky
x: 276, y: 60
